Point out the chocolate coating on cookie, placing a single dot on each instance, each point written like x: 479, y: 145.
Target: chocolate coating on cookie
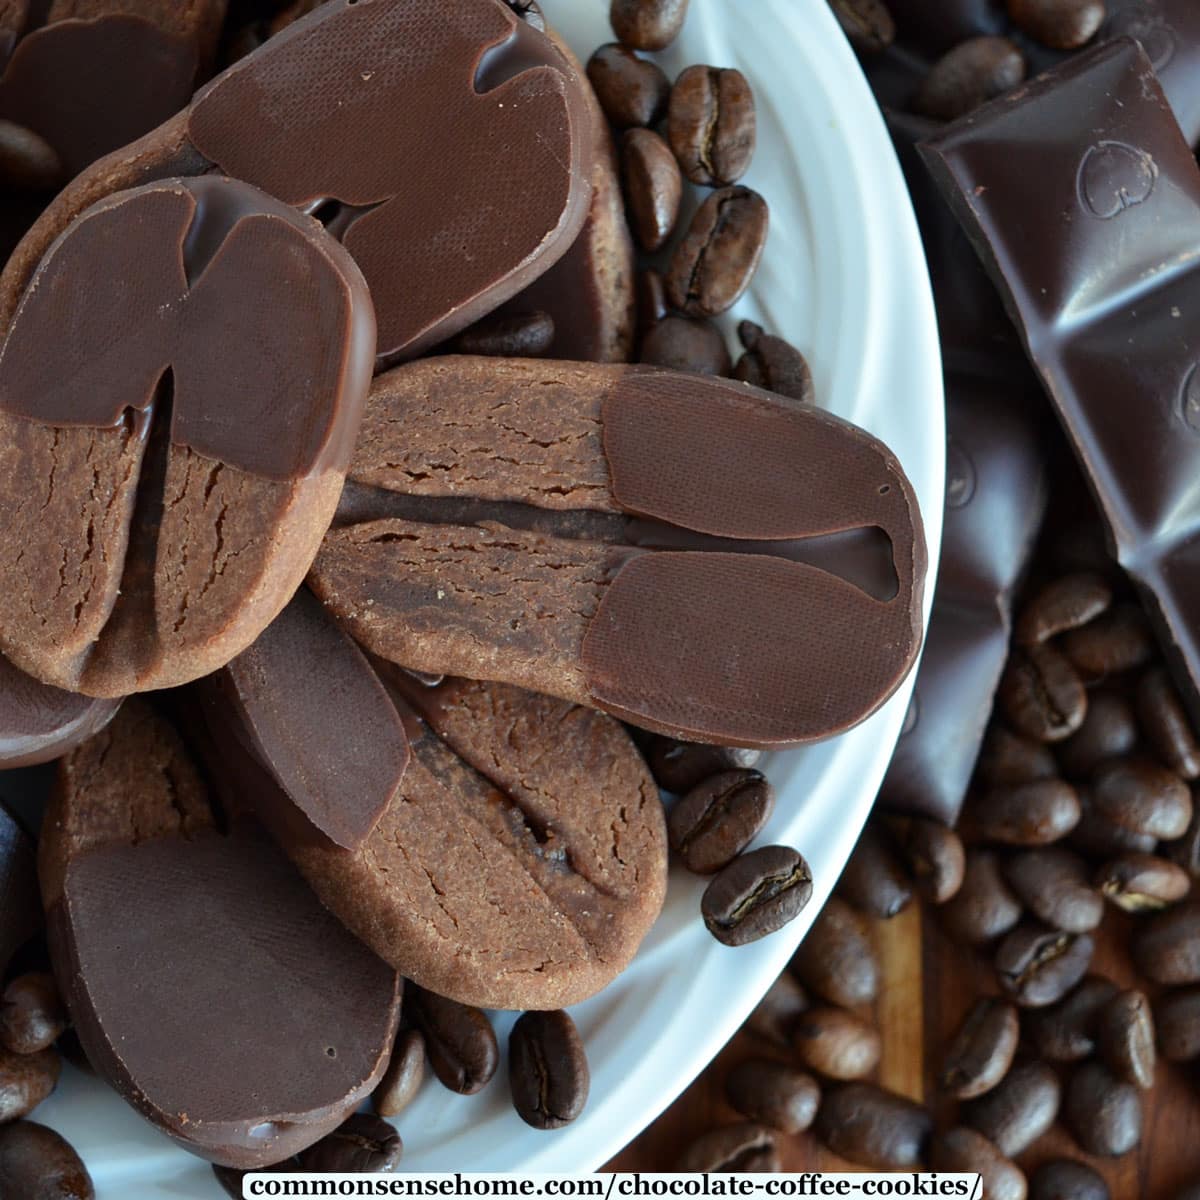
x: 39, y: 723
x: 184, y: 439
x: 696, y: 556
x: 519, y: 863
x: 198, y: 965
x: 448, y: 145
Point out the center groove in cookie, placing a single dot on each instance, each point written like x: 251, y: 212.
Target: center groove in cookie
x: 861, y: 556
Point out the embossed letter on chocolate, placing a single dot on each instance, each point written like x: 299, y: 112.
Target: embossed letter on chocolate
x: 1084, y: 201
x: 695, y: 556
x: 179, y: 395
x: 447, y: 145
x: 205, y: 980
x: 522, y: 858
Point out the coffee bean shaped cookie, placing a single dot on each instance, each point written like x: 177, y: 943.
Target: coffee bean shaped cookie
x: 90, y: 76
x: 179, y: 395
x: 521, y: 860
x: 693, y: 555
x: 197, y: 963
x: 39, y: 723
x: 447, y: 146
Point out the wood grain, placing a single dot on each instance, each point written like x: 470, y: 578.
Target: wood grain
x: 928, y: 985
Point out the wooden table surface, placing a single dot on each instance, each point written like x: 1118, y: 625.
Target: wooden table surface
x: 928, y: 984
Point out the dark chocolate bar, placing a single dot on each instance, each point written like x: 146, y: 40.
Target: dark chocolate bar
x: 1083, y: 197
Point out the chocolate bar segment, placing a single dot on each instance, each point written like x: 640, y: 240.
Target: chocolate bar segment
x: 1084, y: 201
x: 696, y: 556
x: 449, y: 146
x: 180, y: 438
x: 197, y: 965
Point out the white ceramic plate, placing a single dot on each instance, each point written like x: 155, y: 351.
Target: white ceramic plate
x: 844, y: 278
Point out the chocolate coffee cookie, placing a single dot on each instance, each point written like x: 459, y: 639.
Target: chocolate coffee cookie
x: 197, y: 964
x: 179, y: 447
x: 90, y: 76
x: 522, y: 858
x: 447, y: 147
x: 692, y: 555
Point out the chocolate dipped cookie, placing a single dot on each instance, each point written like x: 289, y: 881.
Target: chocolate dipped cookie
x: 205, y: 981
x: 180, y: 447
x: 693, y: 555
x: 519, y: 862
x: 447, y: 147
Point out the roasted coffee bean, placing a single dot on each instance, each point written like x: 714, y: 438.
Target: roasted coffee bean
x: 32, y: 1015
x: 875, y: 880
x: 547, y: 1069
x: 836, y: 1043
x: 651, y: 297
x: 982, y: 1050
x: 1053, y: 884
x: 972, y: 73
x: 713, y: 265
x: 984, y: 907
x: 1015, y: 1113
x: 1102, y: 1112
x: 25, y: 1081
x: 1031, y: 814
x: 404, y: 1075
x: 460, y: 1040
x: 362, y: 1144
x: 1041, y: 694
x: 1098, y: 837
x: 1166, y: 725
x: 747, y: 1147
x: 1185, y: 851
x: 631, y: 90
x: 771, y: 363
x: 719, y: 818
x: 1143, y: 882
x: 37, y: 1164
x: 1066, y: 1179
x: 1126, y: 1036
x: 686, y: 345
x: 653, y: 187
x: 711, y: 125
x: 1064, y: 604
x: 756, y: 894
x: 778, y: 1011
x: 1166, y: 946
x: 867, y: 23
x: 1190, y: 1191
x: 836, y: 959
x: 1039, y: 966
x: 967, y: 1150
x: 1009, y: 759
x: 1068, y: 1031
x: 679, y: 766
x: 1108, y: 731
x: 1143, y: 797
x: 1118, y: 641
x: 1059, y: 24
x: 647, y: 24
x: 519, y: 335
x: 936, y: 858
x: 773, y: 1093
x: 28, y: 163
x: 1177, y: 1024
x: 873, y: 1127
